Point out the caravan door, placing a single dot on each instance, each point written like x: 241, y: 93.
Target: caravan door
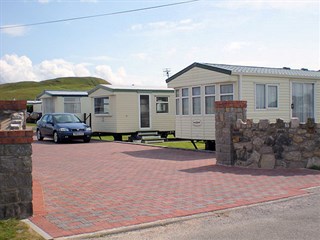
x: 145, y: 122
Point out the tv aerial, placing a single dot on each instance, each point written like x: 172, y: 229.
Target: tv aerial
x: 167, y: 71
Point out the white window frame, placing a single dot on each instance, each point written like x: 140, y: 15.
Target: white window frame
x: 193, y: 98
x: 187, y: 100
x: 178, y: 107
x: 209, y: 95
x: 75, y: 102
x: 105, y: 104
x: 266, y: 92
x: 158, y: 102
x: 226, y: 94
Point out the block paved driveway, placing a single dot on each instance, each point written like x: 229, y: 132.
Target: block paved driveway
x: 83, y: 188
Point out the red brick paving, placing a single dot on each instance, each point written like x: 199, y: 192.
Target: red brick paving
x: 82, y: 188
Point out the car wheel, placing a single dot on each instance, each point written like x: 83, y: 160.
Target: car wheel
x: 56, y: 138
x: 86, y: 140
x: 39, y: 136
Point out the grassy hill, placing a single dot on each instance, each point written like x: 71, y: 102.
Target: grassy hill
x: 29, y: 90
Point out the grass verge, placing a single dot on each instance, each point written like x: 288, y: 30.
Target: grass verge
x: 170, y: 144
x: 182, y: 144
x: 13, y: 229
x: 315, y: 167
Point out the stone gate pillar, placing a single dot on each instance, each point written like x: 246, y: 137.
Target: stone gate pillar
x: 15, y: 161
x: 227, y: 113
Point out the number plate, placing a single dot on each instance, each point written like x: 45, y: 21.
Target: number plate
x: 78, y: 134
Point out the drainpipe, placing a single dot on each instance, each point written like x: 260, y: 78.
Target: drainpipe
x: 240, y: 87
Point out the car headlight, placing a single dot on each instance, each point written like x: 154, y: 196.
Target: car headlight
x: 88, y: 128
x: 63, y: 129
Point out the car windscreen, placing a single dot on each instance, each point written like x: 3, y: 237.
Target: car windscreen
x: 66, y: 118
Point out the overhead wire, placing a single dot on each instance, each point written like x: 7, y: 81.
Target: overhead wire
x: 97, y: 15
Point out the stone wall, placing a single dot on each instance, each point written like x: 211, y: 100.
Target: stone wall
x: 15, y: 168
x: 276, y: 145
x: 241, y: 142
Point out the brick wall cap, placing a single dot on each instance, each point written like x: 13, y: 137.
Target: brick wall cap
x: 16, y: 137
x: 13, y: 105
x: 231, y: 104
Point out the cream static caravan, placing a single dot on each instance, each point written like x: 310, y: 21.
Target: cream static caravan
x: 270, y: 93
x: 76, y: 102
x: 121, y: 111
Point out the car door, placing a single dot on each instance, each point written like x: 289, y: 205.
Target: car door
x: 49, y: 126
x: 42, y: 124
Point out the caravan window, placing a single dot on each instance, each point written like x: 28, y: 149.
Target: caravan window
x: 226, y: 92
x: 101, y: 105
x: 72, y: 105
x: 177, y: 101
x: 266, y: 96
x: 210, y: 98
x: 185, y: 101
x: 196, y: 100
x: 162, y: 104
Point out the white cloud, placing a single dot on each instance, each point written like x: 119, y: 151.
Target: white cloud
x: 100, y: 58
x: 14, y: 30
x: 266, y: 4
x: 43, y: 1
x: 235, y: 46
x: 89, y: 1
x: 167, y: 26
x: 60, y: 68
x: 141, y: 56
x: 15, y: 68
x: 136, y: 27
x: 116, y: 78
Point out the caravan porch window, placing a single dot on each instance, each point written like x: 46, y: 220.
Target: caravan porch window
x: 226, y: 92
x: 101, y: 105
x: 162, y: 104
x: 196, y: 100
x: 210, y: 98
x: 185, y: 101
x: 177, y: 101
x: 266, y: 96
x: 72, y: 105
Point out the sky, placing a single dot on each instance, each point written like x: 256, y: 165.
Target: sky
x: 134, y: 48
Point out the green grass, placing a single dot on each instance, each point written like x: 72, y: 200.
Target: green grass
x: 30, y: 90
x: 315, y: 167
x: 31, y: 125
x: 110, y: 138
x: 181, y: 144
x: 169, y: 144
x: 13, y: 229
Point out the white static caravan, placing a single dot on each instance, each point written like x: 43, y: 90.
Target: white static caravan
x: 132, y: 110
x: 36, y: 106
x: 76, y: 102
x: 270, y: 93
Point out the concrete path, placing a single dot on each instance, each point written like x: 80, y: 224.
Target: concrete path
x: 84, y: 188
x: 294, y: 218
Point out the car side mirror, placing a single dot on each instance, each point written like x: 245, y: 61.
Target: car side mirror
x: 51, y: 123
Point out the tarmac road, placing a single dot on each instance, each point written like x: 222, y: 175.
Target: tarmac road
x: 293, y: 219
